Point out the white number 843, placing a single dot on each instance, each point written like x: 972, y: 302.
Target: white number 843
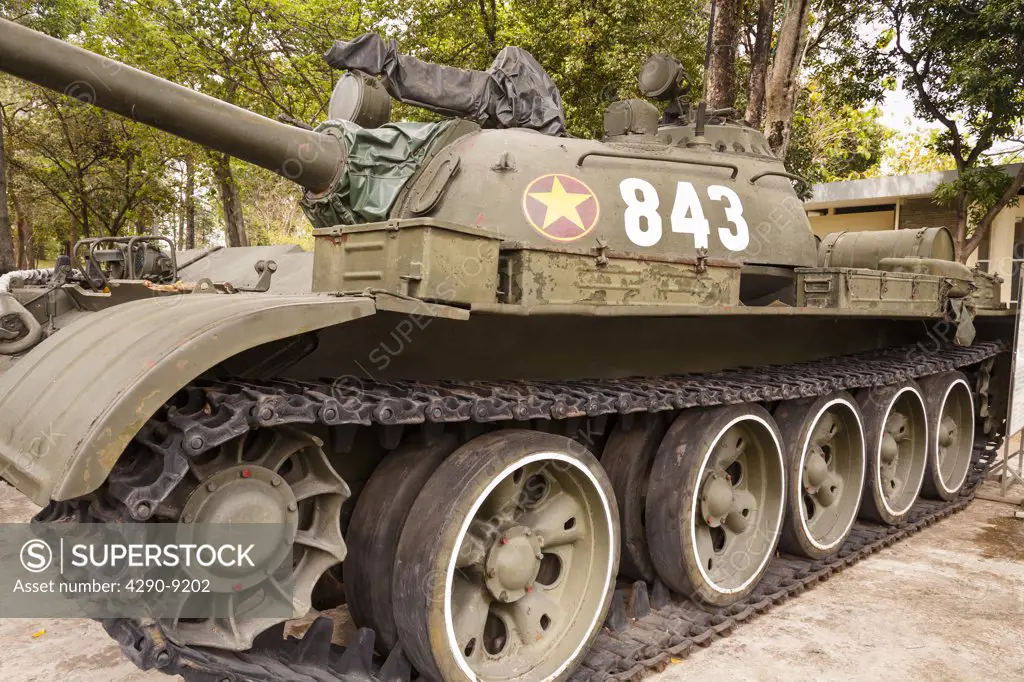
x: 643, y: 222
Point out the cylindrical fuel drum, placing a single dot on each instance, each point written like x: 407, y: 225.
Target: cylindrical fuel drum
x: 866, y: 249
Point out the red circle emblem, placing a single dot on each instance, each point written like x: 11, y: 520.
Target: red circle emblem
x: 561, y: 207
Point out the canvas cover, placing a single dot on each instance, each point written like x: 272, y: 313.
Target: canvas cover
x: 515, y: 92
x: 380, y: 162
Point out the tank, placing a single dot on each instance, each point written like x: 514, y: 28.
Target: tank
x: 535, y: 408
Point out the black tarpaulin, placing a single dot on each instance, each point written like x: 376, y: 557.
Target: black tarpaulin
x: 515, y: 92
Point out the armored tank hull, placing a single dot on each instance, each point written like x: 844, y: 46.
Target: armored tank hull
x: 567, y: 409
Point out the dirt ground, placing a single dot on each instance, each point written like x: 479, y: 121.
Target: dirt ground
x: 946, y: 604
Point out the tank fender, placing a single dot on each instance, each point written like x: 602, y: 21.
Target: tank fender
x: 71, y: 406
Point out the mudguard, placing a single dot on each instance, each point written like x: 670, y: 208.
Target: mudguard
x: 71, y: 406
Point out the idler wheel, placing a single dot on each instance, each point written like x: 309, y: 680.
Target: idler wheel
x: 824, y: 441
x: 507, y: 562
x: 896, y: 444
x: 276, y: 476
x: 376, y: 526
x: 950, y: 407
x: 716, y: 501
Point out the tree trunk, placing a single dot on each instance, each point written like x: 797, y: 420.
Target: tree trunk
x: 26, y: 243
x: 759, y: 62
x: 234, y: 223
x: 960, y: 232
x: 25, y: 253
x: 785, y: 76
x: 721, y: 91
x: 190, y: 203
x: 7, y: 260
x: 489, y: 18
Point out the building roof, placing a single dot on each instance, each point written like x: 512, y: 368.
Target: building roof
x: 881, y: 190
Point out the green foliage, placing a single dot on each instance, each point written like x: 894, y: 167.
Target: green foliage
x: 913, y: 152
x: 836, y: 134
x: 266, y: 56
x: 983, y: 186
x: 273, y: 216
x: 833, y: 141
x: 842, y: 60
x: 102, y: 174
x: 964, y: 63
x: 58, y: 18
x: 593, y: 49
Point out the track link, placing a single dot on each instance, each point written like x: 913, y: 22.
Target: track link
x: 644, y: 629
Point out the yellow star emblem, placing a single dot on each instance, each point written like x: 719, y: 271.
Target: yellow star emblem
x: 560, y: 204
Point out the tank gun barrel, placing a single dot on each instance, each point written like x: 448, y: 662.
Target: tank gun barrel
x: 310, y: 159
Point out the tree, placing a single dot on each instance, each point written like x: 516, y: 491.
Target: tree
x: 817, y: 41
x: 104, y: 171
x: 907, y: 153
x: 963, y: 64
x: 833, y: 141
x: 76, y: 171
x: 19, y: 217
x: 784, y: 80
x: 8, y: 261
x: 263, y: 55
x: 190, y: 203
x: 593, y: 49
x: 760, y: 51
x: 721, y: 76
x: 230, y: 200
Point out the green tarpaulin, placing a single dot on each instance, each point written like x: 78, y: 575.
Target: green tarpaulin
x: 380, y: 162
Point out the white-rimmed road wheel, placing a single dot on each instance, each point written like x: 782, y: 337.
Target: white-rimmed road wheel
x: 824, y: 443
x: 507, y: 561
x: 716, y: 501
x: 896, y: 444
x: 950, y: 406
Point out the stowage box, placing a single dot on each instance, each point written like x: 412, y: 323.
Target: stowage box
x: 419, y: 257
x: 564, y: 276
x: 861, y: 289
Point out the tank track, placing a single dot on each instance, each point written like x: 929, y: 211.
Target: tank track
x: 644, y: 629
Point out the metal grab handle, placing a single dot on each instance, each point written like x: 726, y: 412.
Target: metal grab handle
x: 93, y: 243
x: 651, y: 157
x: 780, y: 174
x: 170, y: 247
x: 9, y: 306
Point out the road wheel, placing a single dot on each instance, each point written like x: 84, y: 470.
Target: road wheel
x: 824, y: 442
x: 950, y: 407
x: 376, y: 526
x: 896, y: 443
x: 507, y: 562
x: 628, y: 457
x: 716, y: 502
